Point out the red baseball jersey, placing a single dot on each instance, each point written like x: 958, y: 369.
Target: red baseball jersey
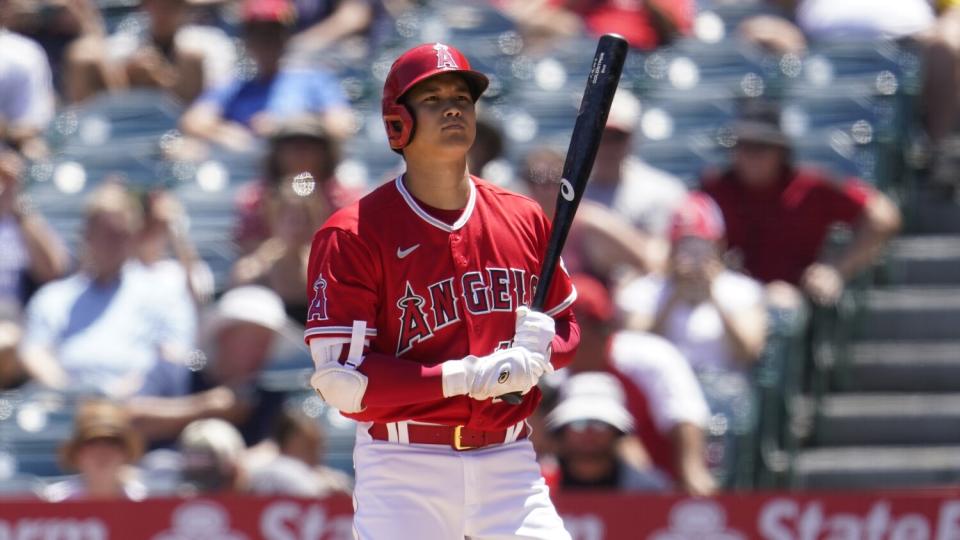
x: 430, y: 291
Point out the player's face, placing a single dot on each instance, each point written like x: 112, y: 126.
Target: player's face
x: 446, y: 120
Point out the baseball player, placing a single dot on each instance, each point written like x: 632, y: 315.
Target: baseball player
x: 417, y: 323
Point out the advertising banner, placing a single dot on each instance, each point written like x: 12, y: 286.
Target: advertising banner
x: 903, y: 515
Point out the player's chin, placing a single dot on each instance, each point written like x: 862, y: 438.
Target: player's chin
x: 455, y: 139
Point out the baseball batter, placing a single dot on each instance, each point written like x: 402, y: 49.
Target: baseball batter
x: 417, y: 322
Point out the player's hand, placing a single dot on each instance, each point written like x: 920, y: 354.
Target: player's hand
x: 516, y: 369
x: 535, y: 332
x: 482, y: 377
x: 340, y: 387
x: 823, y: 283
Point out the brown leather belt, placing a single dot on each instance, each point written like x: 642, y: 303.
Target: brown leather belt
x: 457, y: 437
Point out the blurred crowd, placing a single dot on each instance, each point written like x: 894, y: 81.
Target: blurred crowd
x: 676, y: 282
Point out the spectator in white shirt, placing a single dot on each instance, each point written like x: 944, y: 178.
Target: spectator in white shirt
x: 104, y: 327
x: 714, y: 316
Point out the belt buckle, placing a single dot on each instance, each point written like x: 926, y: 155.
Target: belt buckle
x: 457, y: 436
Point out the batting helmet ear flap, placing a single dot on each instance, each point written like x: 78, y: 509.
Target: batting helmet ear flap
x: 399, y: 123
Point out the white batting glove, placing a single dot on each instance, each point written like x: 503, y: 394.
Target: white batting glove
x: 482, y: 377
x: 535, y: 332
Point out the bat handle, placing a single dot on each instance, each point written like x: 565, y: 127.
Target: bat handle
x: 539, y: 298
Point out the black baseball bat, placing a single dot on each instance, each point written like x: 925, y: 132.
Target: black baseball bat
x: 591, y: 119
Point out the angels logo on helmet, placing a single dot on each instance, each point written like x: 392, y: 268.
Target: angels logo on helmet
x: 445, y: 60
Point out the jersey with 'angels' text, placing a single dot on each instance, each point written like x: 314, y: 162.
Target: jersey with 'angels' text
x: 430, y: 291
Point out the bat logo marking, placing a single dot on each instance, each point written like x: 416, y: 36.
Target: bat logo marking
x: 566, y: 190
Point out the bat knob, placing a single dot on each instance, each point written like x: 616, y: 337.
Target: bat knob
x: 513, y: 398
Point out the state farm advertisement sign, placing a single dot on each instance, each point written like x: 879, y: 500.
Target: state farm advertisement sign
x: 905, y: 515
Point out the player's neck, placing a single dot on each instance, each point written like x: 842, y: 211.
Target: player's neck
x: 443, y: 185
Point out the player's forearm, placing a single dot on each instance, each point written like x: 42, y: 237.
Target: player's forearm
x: 565, y: 342
x: 395, y: 381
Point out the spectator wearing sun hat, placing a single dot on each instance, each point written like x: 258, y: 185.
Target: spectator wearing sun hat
x: 102, y: 449
x: 221, y: 379
x: 588, y: 424
x: 661, y: 392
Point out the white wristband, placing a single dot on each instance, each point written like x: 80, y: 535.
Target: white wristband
x: 454, y: 377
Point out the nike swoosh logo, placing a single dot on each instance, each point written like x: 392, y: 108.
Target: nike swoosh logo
x: 401, y: 253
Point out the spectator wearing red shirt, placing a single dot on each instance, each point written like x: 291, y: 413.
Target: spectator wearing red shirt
x: 661, y: 391
x: 778, y: 214
x: 646, y: 24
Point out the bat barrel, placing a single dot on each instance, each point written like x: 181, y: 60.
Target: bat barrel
x: 591, y: 119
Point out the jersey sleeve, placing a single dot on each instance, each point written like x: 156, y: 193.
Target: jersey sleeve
x: 342, y: 286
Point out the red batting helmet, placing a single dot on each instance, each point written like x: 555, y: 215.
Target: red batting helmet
x: 418, y: 64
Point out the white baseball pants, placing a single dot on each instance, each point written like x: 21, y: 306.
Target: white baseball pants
x: 433, y: 492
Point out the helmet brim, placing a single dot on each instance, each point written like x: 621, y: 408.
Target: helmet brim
x: 476, y: 81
